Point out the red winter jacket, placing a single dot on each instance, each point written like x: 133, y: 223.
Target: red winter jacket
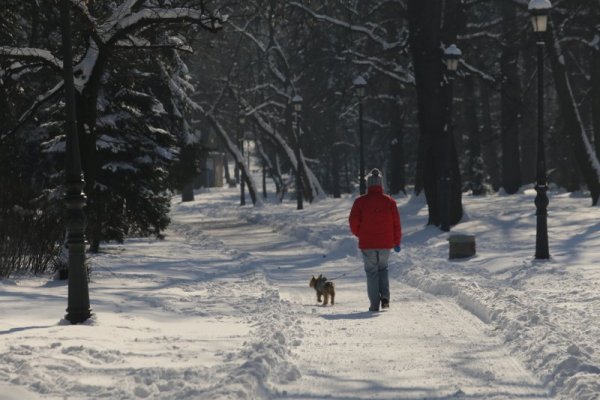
x: 375, y: 220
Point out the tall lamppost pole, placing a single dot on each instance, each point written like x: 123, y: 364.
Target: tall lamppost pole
x: 242, y: 120
x: 360, y: 84
x: 539, y: 10
x: 297, y: 103
x: 78, y: 308
x: 259, y: 150
x: 452, y: 55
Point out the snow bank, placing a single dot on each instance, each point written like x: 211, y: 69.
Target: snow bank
x: 267, y: 358
x: 527, y: 326
x: 540, y: 310
x: 543, y: 310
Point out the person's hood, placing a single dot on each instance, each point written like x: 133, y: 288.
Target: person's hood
x: 375, y: 189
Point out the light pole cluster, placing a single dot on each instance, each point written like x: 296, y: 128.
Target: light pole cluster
x: 297, y: 104
x: 452, y: 55
x: 539, y: 10
x: 359, y: 85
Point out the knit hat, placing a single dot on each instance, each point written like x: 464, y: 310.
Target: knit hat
x: 374, y: 178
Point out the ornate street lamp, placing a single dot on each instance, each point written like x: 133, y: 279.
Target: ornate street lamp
x: 242, y: 120
x: 78, y: 309
x: 360, y: 84
x: 297, y: 103
x: 452, y: 55
x: 539, y: 10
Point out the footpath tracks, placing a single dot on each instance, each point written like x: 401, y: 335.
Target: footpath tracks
x: 424, y: 346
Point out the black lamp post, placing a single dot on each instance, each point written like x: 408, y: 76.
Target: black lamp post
x: 539, y: 10
x: 360, y: 84
x: 78, y: 308
x: 297, y: 103
x: 242, y: 120
x: 452, y: 55
x: 259, y: 151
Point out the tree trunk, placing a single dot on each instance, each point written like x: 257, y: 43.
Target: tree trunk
x: 226, y: 169
x: 424, y: 25
x: 489, y: 139
x: 581, y: 148
x: 268, y: 166
x: 237, y: 156
x: 397, y: 174
x: 474, y: 160
x: 595, y: 76
x: 528, y: 125
x: 86, y: 126
x: 425, y: 18
x: 335, y: 164
x: 87, y: 102
x: 511, y: 101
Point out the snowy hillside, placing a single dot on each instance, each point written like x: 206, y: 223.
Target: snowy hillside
x: 221, y: 309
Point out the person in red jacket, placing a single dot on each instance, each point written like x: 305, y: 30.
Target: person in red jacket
x: 375, y: 220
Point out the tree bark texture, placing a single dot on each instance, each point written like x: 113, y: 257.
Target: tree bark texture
x: 474, y: 159
x: 581, y: 148
x: 527, y: 125
x: 490, y: 140
x: 425, y: 39
x: 511, y: 100
x: 595, y: 77
x: 397, y: 179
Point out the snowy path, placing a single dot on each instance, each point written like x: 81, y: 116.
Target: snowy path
x: 221, y: 309
x: 423, y: 347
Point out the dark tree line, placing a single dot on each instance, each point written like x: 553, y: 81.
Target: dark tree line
x: 160, y: 83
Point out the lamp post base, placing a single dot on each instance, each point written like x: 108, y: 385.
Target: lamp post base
x: 78, y: 316
x: 541, y: 234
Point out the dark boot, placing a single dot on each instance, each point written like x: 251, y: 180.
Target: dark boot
x: 385, y: 303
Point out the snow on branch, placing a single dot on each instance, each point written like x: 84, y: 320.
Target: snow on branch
x: 479, y: 26
x: 266, y: 104
x: 480, y: 34
x: 149, y: 16
x: 389, y: 69
x: 29, y: 53
x: 385, y: 45
x: 38, y: 102
x: 82, y: 9
x: 265, y: 49
x: 128, y: 44
x: 476, y: 71
x: 17, y: 69
x: 594, y: 43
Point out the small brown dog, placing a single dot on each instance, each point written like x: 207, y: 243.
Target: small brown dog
x: 323, y: 288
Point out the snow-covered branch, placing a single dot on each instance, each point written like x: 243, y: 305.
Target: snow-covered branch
x: 29, y: 53
x: 313, y: 182
x: 369, y: 32
x: 593, y: 43
x: 477, y: 71
x: 478, y: 35
x: 150, y: 16
x: 280, y: 75
x: 387, y: 68
x: 41, y: 99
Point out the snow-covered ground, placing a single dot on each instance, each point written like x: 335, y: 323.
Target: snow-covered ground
x: 221, y: 309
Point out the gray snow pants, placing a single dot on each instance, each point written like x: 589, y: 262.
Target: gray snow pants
x: 376, y: 267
